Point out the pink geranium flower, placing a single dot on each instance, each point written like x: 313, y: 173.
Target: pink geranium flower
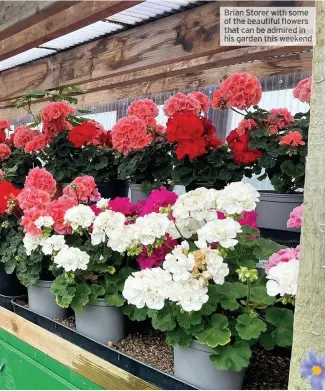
x: 33, y: 197
x: 157, y: 199
x: 179, y: 103
x: 157, y: 257
x: 295, y: 220
x: 41, y: 179
x: 82, y: 189
x: 22, y: 136
x: 284, y: 255
x: 303, y: 90
x: 56, y: 209
x: 5, y: 151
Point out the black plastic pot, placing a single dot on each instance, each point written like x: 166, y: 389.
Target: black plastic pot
x: 9, y: 284
x: 114, y: 188
x: 160, y: 379
x: 6, y: 301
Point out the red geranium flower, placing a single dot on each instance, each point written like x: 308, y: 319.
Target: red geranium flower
x: 7, y: 191
x: 184, y: 127
x: 81, y: 135
x: 240, y: 149
x: 212, y: 140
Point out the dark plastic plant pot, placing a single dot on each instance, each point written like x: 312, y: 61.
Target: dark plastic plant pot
x: 136, y: 193
x: 9, y: 284
x: 114, y: 188
x: 101, y: 322
x: 274, y: 210
x: 193, y: 365
x: 41, y: 300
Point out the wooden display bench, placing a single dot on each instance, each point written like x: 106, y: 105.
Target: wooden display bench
x: 34, y: 358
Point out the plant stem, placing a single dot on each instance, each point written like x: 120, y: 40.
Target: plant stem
x: 248, y: 295
x: 238, y: 112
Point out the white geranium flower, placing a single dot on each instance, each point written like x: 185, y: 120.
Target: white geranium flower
x: 53, y: 243
x: 121, y: 240
x: 238, y: 197
x: 179, y: 263
x: 106, y: 223
x: 223, y: 232
x: 44, y: 221
x: 190, y: 294
x: 283, y: 279
x: 71, y: 259
x: 185, y: 228
x: 103, y: 203
x: 80, y: 216
x: 147, y: 288
x: 199, y: 204
x: 31, y: 243
x: 151, y: 227
x: 216, y: 267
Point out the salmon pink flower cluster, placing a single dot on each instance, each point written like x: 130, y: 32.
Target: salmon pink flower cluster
x: 5, y: 151
x: 240, y: 90
x: 303, y: 90
x: 281, y: 118
x: 82, y: 189
x: 293, y: 139
x: 130, y: 134
x: 180, y: 103
x: 55, y: 118
x: 145, y: 109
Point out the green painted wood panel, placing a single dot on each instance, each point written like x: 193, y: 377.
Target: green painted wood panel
x: 27, y: 368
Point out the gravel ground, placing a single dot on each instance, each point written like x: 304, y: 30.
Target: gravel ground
x: 268, y: 370
x: 149, y: 347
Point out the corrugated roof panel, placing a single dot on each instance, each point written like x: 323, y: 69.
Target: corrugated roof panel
x: 82, y: 35
x: 22, y: 58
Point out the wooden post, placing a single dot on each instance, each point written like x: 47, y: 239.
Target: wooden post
x: 309, y: 325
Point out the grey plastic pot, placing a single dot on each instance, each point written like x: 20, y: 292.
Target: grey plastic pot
x: 101, y: 322
x: 41, y: 300
x: 194, y: 366
x: 136, y: 193
x: 274, y: 210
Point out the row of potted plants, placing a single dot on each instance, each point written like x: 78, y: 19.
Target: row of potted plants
x: 187, y: 152
x: 194, y: 265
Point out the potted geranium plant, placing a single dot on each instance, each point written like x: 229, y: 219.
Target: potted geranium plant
x: 216, y: 303
x: 144, y: 153
x: 273, y: 144
x: 199, y: 157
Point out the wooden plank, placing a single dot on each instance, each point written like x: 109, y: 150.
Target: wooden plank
x: 184, y: 36
x: 75, y: 17
x: 84, y: 363
x: 138, y: 83
x: 18, y: 15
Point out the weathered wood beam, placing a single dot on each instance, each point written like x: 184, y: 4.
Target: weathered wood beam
x: 16, y: 16
x: 145, y: 82
x: 78, y: 15
x: 184, y: 36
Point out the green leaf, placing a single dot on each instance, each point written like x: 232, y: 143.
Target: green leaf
x: 111, y: 287
x: 264, y: 248
x: 134, y: 313
x: 164, y: 319
x: 292, y: 170
x: 282, y: 319
x: 187, y: 319
x: 229, y: 293
x: 212, y: 304
x: 125, y: 272
x: 225, y: 175
x: 217, y: 334
x: 178, y: 337
x: 259, y: 294
x: 267, y: 161
x: 10, y: 265
x: 81, y: 297
x: 115, y: 300
x: 249, y: 327
x: 96, y: 291
x: 63, y: 291
x: 233, y: 357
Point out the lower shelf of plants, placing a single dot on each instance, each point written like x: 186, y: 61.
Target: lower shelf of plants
x: 267, y: 370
